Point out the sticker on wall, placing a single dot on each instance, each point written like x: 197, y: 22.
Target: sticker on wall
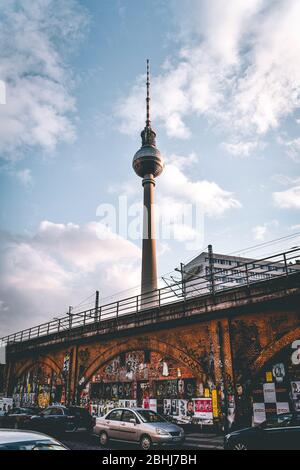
x: 259, y: 413
x: 269, y: 377
x: 282, y: 408
x: 296, y: 353
x: 269, y: 393
x: 278, y: 372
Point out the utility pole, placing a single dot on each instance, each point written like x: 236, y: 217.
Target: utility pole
x: 211, y: 269
x: 181, y: 271
x: 96, y: 305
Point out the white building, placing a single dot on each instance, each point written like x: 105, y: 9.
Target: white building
x: 231, y: 271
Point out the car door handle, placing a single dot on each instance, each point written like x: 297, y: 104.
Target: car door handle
x: 123, y: 424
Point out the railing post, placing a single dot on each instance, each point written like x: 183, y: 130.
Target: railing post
x: 58, y: 326
x: 29, y: 333
x: 247, y: 275
x: 38, y: 332
x: 118, y: 309
x: 137, y: 304
x: 159, y: 293
x: 285, y: 264
x: 48, y: 328
x: 211, y: 269
x: 84, y: 318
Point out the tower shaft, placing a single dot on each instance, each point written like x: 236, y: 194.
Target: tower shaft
x: 149, y: 268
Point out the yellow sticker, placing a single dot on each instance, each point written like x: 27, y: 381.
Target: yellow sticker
x: 269, y: 377
x: 206, y: 393
x: 214, y: 395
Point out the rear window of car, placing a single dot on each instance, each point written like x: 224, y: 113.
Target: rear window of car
x: 77, y: 412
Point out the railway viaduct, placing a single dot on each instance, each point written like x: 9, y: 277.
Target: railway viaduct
x: 226, y: 345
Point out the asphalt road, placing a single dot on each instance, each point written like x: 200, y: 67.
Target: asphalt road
x: 83, y: 441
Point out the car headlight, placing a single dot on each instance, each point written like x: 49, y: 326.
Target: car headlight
x: 162, y: 432
x: 227, y: 437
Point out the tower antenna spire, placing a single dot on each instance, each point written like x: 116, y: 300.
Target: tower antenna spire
x: 148, y: 122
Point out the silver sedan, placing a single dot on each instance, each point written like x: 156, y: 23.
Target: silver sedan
x: 137, y: 425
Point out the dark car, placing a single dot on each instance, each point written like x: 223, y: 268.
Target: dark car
x: 27, y: 440
x: 281, y: 433
x: 18, y: 418
x: 57, y: 420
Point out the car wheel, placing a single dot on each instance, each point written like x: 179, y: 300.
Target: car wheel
x: 103, y: 439
x: 240, y: 446
x: 145, y: 443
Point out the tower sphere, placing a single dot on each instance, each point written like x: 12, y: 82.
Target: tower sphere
x: 148, y: 161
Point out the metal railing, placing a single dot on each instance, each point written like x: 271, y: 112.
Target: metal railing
x: 238, y: 275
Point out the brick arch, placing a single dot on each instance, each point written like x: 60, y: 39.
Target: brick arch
x: 48, y: 361
x: 274, y: 348
x: 138, y: 344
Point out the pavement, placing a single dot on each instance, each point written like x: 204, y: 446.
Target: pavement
x: 193, y: 441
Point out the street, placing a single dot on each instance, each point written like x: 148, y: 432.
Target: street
x: 200, y: 441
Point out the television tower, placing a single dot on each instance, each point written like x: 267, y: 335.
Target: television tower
x: 148, y: 164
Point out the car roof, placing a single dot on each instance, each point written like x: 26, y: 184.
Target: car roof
x: 130, y: 409
x: 14, y: 435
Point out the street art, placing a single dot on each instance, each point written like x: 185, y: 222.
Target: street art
x: 39, y: 386
x: 151, y: 380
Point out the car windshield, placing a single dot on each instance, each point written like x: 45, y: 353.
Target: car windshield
x: 148, y: 416
x: 277, y: 421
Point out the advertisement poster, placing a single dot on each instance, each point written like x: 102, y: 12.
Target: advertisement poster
x: 6, y: 404
x: 269, y: 393
x: 150, y: 404
x: 203, y: 408
x: 259, y: 413
x: 127, y: 403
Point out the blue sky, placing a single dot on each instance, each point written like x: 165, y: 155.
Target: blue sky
x: 225, y: 106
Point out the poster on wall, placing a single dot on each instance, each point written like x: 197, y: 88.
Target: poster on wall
x: 127, y: 403
x: 203, y: 408
x: 259, y: 413
x: 6, y: 404
x: 269, y: 393
x: 150, y: 404
x: 295, y: 386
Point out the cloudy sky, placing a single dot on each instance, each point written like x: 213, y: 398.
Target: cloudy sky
x: 226, y: 93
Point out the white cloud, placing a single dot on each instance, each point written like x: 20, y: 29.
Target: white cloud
x: 259, y: 232
x: 232, y: 68
x: 39, y: 102
x: 208, y: 195
x: 25, y: 177
x: 61, y: 264
x: 292, y: 147
x: 241, y: 149
x: 289, y: 199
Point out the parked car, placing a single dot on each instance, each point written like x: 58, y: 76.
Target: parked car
x: 57, y: 420
x: 11, y: 439
x: 138, y: 425
x: 18, y: 418
x: 281, y: 432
